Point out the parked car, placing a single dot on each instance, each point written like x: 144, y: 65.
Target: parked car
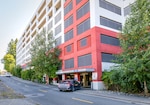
x: 8, y: 74
x: 69, y: 85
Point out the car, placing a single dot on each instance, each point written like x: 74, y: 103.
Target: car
x: 69, y: 85
x: 8, y: 75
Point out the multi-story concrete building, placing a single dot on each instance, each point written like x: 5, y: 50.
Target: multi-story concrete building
x: 85, y: 30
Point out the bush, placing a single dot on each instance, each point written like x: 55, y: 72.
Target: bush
x: 119, y: 80
x: 31, y: 75
x: 27, y: 74
x: 17, y: 71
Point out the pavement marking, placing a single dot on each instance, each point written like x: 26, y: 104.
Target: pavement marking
x: 43, y: 91
x: 116, y: 99
x: 78, y: 99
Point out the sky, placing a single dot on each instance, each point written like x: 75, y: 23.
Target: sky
x: 15, y: 15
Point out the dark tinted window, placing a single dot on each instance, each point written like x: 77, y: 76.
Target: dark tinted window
x: 84, y: 26
x: 78, y: 1
x: 68, y: 21
x: 83, y: 10
x: 68, y: 35
x: 109, y: 6
x: 83, y: 42
x: 68, y: 8
x: 85, y: 60
x: 108, y: 57
x: 110, y: 23
x: 68, y: 48
x: 110, y: 40
x: 69, y: 63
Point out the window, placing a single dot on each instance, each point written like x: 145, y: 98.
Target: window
x: 58, y: 41
x: 68, y: 21
x: 68, y: 48
x: 83, y: 42
x: 108, y: 57
x: 110, y: 23
x: 78, y: 1
x: 68, y: 8
x: 50, y: 25
x: 85, y: 60
x: 109, y: 40
x: 127, y: 10
x: 83, y: 10
x: 58, y: 17
x: 111, y: 7
x: 69, y: 63
x: 84, y: 26
x: 58, y: 29
x: 68, y: 35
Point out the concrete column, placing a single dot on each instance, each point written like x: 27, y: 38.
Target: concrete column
x: 96, y: 84
x: 63, y: 76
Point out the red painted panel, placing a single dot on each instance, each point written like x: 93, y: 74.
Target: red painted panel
x: 95, y: 47
x: 67, y: 2
x: 72, y: 49
x: 88, y: 38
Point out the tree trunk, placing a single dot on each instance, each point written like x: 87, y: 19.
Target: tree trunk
x: 145, y: 88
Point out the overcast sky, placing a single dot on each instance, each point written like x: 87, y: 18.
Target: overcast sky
x: 14, y: 18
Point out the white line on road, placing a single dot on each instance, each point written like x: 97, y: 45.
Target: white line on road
x: 43, y: 91
x: 82, y: 100
x: 115, y: 99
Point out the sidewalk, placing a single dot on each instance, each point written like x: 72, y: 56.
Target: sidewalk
x: 119, y: 96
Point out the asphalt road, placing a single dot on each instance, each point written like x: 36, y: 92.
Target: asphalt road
x: 50, y: 95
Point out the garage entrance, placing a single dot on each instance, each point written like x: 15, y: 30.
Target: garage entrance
x: 86, y: 79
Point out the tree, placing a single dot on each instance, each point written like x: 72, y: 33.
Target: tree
x: 12, y: 47
x: 44, y: 55
x: 9, y: 62
x: 9, y: 59
x: 135, y: 43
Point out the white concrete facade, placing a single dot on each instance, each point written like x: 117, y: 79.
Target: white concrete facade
x: 44, y: 17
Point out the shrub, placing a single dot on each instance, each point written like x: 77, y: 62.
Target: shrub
x: 119, y: 80
x: 27, y: 74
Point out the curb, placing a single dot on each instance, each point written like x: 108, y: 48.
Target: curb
x: 129, y: 99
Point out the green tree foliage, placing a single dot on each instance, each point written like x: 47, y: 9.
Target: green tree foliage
x: 9, y: 59
x: 12, y: 47
x: 44, y: 56
x: 134, y: 68
x: 135, y: 43
x: 9, y: 62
